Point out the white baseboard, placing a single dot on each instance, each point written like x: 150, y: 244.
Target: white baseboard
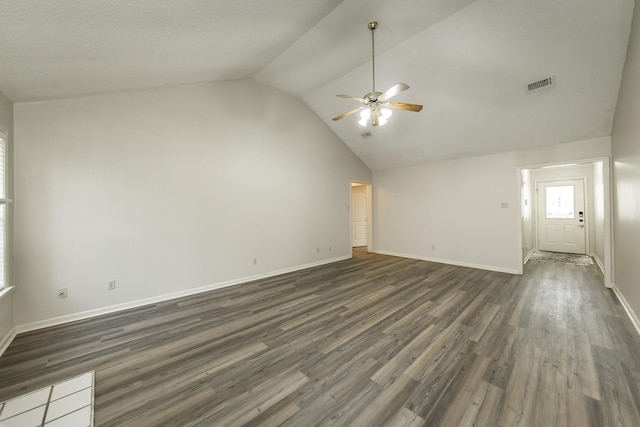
x: 6, y: 341
x: 160, y: 298
x: 598, y: 262
x: 632, y: 315
x: 526, y: 258
x: 450, y: 262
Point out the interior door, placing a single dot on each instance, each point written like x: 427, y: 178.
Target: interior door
x: 359, y: 215
x: 561, y: 216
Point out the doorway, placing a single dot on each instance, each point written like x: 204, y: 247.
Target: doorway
x: 361, y: 215
x: 565, y: 235
x: 561, y: 216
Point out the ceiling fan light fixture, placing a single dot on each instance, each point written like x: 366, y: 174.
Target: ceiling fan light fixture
x: 365, y: 115
x: 379, y: 106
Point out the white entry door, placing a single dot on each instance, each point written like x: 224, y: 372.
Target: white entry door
x: 359, y: 215
x: 561, y: 216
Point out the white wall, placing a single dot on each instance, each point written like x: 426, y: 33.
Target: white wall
x: 6, y: 300
x: 166, y: 191
x: 451, y: 211
x: 625, y: 146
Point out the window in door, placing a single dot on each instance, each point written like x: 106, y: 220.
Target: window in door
x: 560, y: 202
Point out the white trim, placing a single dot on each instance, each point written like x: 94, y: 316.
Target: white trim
x: 7, y: 340
x: 450, y: 262
x: 153, y: 300
x: 519, y: 236
x: 531, y: 252
x: 609, y: 256
x: 5, y: 291
x: 7, y: 223
x: 600, y: 264
x: 632, y: 315
x: 578, y: 162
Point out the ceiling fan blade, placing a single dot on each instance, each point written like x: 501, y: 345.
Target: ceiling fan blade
x: 404, y: 106
x: 400, y: 87
x: 348, y: 113
x: 355, y: 98
x: 374, y: 117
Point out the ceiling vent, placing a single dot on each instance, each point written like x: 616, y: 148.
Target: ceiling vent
x: 366, y: 134
x: 541, y: 84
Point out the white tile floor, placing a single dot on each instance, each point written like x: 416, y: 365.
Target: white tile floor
x: 68, y: 404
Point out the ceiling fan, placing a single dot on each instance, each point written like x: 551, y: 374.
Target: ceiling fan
x: 376, y: 104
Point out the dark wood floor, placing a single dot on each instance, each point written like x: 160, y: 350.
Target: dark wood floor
x: 371, y: 341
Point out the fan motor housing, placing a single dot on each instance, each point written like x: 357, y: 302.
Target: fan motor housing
x: 371, y: 97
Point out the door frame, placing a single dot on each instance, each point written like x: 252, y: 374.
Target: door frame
x: 587, y: 213
x: 369, y: 210
x: 608, y: 272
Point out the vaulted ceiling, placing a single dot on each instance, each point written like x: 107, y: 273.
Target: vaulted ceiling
x: 468, y: 62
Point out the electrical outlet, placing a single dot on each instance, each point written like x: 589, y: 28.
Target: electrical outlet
x: 62, y: 293
x: 329, y: 248
x: 317, y: 250
x: 111, y: 285
x: 255, y: 261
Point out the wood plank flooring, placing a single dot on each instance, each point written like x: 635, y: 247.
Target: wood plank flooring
x: 371, y: 341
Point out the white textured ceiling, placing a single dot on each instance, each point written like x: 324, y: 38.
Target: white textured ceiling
x: 66, y: 48
x: 466, y: 61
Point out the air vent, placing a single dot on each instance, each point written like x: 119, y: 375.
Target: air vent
x: 366, y: 134
x: 541, y: 84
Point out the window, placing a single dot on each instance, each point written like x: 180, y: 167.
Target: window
x: 560, y: 202
x: 3, y: 210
